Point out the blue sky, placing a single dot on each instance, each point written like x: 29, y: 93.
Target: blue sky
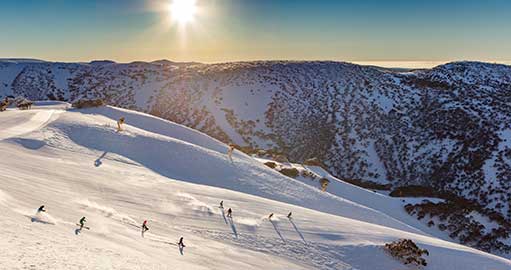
x: 230, y: 30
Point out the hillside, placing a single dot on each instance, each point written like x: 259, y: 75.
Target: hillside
x: 446, y: 128
x: 76, y: 164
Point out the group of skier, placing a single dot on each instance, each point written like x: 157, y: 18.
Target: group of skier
x: 288, y: 215
x: 82, y: 221
x: 144, y: 227
x: 229, y: 212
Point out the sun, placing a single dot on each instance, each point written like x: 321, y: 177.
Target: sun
x: 183, y: 11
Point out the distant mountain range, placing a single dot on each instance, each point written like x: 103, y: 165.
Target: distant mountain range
x: 447, y: 128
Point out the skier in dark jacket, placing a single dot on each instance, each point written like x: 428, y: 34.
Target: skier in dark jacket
x: 144, y: 227
x: 41, y: 209
x: 222, y: 204
x: 270, y: 216
x: 181, y: 244
x: 82, y: 222
x: 289, y: 215
x: 229, y: 213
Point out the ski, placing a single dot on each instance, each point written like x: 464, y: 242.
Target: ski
x: 85, y: 227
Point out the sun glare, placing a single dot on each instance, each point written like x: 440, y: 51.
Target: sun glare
x: 183, y: 11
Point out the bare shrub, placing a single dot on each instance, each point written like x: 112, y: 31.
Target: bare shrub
x: 290, y: 172
x: 88, y: 103
x: 406, y: 251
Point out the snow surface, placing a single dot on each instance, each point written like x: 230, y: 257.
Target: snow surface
x: 392, y: 207
x: 76, y: 164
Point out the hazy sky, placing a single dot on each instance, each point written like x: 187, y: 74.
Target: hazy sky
x: 227, y: 30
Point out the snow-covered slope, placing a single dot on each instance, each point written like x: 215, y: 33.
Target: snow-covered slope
x: 445, y: 128
x: 379, y: 201
x: 76, y: 164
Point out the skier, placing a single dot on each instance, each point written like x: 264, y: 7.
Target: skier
x: 41, y: 209
x: 222, y: 204
x: 181, y: 244
x: 270, y: 216
x: 144, y: 227
x: 230, y: 151
x: 120, y: 122
x: 82, y: 222
x: 229, y: 213
x: 289, y: 215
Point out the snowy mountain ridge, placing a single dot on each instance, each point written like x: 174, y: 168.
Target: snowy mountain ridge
x: 445, y: 128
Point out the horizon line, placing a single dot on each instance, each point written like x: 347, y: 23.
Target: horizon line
x: 406, y: 64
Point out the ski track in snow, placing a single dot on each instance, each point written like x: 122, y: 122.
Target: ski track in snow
x: 38, y: 119
x: 320, y: 256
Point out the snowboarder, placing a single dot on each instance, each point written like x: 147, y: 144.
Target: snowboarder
x: 41, y: 209
x: 230, y: 151
x: 82, y: 222
x: 144, y: 227
x: 229, y: 213
x: 289, y: 215
x: 270, y: 216
x: 181, y: 244
x: 120, y: 122
x: 222, y: 204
